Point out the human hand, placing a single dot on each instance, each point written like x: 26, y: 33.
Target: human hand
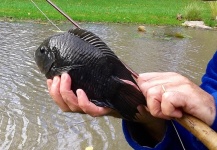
x: 60, y: 91
x: 170, y: 94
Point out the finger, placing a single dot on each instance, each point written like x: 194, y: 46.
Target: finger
x: 65, y: 89
x: 142, y: 109
x: 55, y: 94
x: 66, y: 82
x: 67, y: 94
x: 156, y: 76
x: 154, y: 98
x: 131, y: 83
x: 149, y: 75
x: 54, y: 89
x: 49, y: 83
x: 171, y: 105
x: 149, y: 80
x: 158, y: 79
x: 89, y: 107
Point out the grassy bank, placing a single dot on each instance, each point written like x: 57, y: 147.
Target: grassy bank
x: 161, y: 12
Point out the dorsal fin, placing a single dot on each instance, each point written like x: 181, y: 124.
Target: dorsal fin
x: 92, y: 39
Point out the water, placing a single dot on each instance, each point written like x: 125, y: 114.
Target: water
x: 29, y: 119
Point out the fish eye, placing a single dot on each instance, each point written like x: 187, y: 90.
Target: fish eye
x: 42, y: 49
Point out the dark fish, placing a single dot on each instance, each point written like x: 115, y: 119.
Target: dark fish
x: 93, y: 67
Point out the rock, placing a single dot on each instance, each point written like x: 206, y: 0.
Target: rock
x: 141, y: 28
x: 196, y: 24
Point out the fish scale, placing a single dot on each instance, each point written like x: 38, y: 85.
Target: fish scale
x: 93, y: 67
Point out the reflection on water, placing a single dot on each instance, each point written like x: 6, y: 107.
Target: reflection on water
x: 28, y: 117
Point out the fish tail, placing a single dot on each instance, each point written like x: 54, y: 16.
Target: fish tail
x: 127, y: 100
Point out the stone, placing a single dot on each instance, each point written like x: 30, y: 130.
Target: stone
x: 141, y: 28
x: 196, y: 24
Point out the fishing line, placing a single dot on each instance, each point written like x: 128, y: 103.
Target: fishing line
x: 178, y: 135
x: 46, y: 16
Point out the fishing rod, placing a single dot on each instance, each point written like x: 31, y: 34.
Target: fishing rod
x: 198, y: 128
x: 64, y: 14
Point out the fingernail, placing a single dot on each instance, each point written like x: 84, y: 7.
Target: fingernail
x: 64, y: 76
x: 78, y: 91
x: 55, y: 80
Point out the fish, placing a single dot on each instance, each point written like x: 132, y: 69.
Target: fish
x: 93, y: 67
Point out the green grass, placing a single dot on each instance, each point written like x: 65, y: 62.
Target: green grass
x: 213, y: 6
x: 157, y: 12
x: 193, y: 12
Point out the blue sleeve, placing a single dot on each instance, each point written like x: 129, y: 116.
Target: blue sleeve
x: 209, y: 83
x: 209, y: 80
x: 169, y: 142
x: 214, y: 125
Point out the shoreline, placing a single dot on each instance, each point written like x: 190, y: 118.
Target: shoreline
x: 39, y: 21
x: 46, y: 22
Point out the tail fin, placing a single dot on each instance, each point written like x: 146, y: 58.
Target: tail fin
x: 127, y: 99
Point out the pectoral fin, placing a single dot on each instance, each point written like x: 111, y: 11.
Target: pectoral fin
x: 63, y: 69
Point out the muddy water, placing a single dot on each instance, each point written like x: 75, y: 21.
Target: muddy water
x: 28, y: 117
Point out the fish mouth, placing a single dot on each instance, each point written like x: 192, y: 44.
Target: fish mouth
x: 48, y: 67
x: 48, y: 71
x: 44, y: 67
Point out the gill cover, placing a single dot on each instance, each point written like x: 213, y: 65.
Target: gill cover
x: 44, y: 57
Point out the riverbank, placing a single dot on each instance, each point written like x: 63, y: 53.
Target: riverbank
x: 126, y: 11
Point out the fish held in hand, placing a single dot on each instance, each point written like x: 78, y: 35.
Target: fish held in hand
x: 93, y: 67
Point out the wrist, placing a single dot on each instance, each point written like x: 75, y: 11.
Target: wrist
x: 211, y: 112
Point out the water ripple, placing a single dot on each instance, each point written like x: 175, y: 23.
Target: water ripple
x: 28, y: 117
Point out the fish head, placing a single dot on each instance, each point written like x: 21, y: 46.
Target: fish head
x: 44, y: 57
x: 52, y: 57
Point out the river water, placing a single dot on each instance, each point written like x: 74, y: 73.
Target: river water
x: 29, y: 119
